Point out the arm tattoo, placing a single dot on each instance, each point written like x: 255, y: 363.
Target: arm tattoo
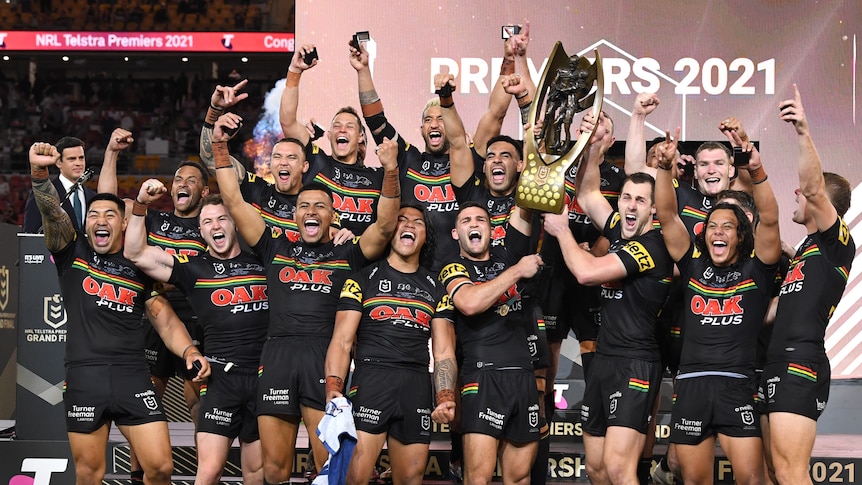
x: 525, y: 113
x: 445, y: 374
x: 59, y: 231
x: 206, y: 153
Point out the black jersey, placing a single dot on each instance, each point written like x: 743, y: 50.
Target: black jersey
x: 355, y: 188
x: 397, y: 309
x: 104, y: 296
x: 304, y: 281
x: 630, y: 306
x: 275, y: 208
x: 426, y: 180
x: 724, y: 310
x: 693, y: 207
x: 499, y: 207
x: 809, y: 294
x: 497, y: 338
x: 230, y: 297
x: 176, y: 235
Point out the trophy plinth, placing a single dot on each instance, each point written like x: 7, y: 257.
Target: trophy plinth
x: 566, y: 88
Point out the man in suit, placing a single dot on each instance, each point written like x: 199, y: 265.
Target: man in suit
x: 72, y: 164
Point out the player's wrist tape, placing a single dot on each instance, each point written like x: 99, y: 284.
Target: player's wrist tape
x: 212, y: 116
x: 221, y: 155
x: 292, y: 79
x: 445, y: 395
x: 391, y: 186
x: 446, y: 102
x: 334, y: 384
x: 508, y: 66
x: 139, y: 209
x: 758, y: 175
x: 38, y: 173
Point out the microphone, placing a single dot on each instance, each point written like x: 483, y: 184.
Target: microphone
x: 87, y: 175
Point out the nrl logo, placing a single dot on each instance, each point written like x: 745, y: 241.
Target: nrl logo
x: 426, y: 423
x: 4, y: 287
x: 54, y: 313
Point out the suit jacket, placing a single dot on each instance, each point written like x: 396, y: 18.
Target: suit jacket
x: 33, y: 218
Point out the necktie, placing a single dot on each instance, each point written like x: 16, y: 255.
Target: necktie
x: 79, y: 210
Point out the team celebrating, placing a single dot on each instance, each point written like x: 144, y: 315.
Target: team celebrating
x: 272, y: 299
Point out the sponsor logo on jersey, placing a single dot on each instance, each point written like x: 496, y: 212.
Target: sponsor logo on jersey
x: 727, y: 311
x: 351, y: 290
x: 638, y: 252
x: 112, y: 295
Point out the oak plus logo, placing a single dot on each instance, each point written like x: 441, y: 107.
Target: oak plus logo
x: 41, y: 468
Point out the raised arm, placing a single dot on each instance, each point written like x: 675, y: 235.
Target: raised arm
x: 460, y: 158
x: 120, y: 140
x: 811, y: 181
x: 58, y: 227
x: 174, y: 334
x: 514, y: 59
x: 290, y: 124
x: 369, y: 100
x: 588, y: 269
x: 445, y: 369
x: 337, y: 363
x: 645, y: 103
x: 673, y: 230
x: 248, y: 220
x: 588, y: 182
x: 375, y: 239
x: 767, y: 240
x: 223, y: 97
x: 152, y: 260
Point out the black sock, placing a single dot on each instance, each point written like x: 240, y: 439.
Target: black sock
x: 539, y: 472
x: 644, y: 466
x: 663, y: 464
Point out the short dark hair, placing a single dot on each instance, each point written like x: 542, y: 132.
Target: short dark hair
x: 205, y: 176
x: 68, y: 142
x: 121, y: 205
x: 744, y: 230
x: 643, y: 178
x: 316, y: 186
x: 290, y: 139
x: 519, y: 147
x: 212, y: 199
x: 713, y: 145
x: 469, y: 204
x: 839, y: 192
x: 744, y: 199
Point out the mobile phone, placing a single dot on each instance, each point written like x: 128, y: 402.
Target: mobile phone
x: 232, y: 131
x: 197, y: 366
x: 318, y: 131
x: 361, y: 36
x: 510, y: 30
x: 740, y: 157
x: 309, y: 57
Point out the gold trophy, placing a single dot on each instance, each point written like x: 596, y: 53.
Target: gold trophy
x: 566, y: 83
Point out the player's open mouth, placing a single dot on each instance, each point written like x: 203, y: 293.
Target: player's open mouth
x: 101, y: 236
x: 408, y: 235
x: 475, y: 235
x: 218, y: 236
x: 435, y: 136
x: 284, y: 174
x: 342, y: 140
x: 182, y: 194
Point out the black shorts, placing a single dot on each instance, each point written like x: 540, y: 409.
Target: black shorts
x: 163, y: 362
x: 500, y: 403
x: 290, y: 375
x: 228, y: 403
x: 96, y: 394
x: 707, y: 405
x: 397, y: 401
x: 797, y: 387
x: 619, y: 392
x: 555, y: 298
